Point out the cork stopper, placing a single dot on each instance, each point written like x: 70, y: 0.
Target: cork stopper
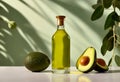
x: 60, y: 20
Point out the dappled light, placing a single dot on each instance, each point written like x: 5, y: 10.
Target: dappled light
x: 19, y: 41
x: 36, y: 24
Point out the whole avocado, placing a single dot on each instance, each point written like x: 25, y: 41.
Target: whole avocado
x: 36, y: 61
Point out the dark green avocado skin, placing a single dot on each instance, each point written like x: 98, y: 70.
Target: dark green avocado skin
x: 99, y: 69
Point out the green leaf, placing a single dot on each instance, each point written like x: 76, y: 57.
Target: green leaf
x: 95, y: 6
x: 109, y: 21
x: 103, y: 49
x: 108, y: 40
x: 97, y: 13
x: 107, y: 3
x: 107, y: 46
x: 108, y: 43
x: 117, y: 60
x: 110, y: 61
x: 108, y: 35
x: 99, y: 2
x: 115, y: 17
x: 117, y: 4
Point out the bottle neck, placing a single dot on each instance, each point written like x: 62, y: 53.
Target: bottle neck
x: 60, y: 26
x: 60, y: 22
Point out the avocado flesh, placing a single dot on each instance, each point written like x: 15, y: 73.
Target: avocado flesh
x: 91, y: 53
x: 101, y: 68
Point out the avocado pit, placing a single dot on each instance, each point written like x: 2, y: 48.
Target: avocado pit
x: 84, y: 60
x: 101, y: 62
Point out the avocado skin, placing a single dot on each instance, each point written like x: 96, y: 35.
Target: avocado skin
x: 94, y: 64
x: 100, y: 69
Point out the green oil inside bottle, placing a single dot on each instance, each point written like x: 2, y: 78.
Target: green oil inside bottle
x: 60, y: 49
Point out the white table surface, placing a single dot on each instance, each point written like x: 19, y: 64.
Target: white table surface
x: 21, y: 74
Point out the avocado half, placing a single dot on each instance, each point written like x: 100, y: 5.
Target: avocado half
x: 87, y: 61
x: 99, y: 67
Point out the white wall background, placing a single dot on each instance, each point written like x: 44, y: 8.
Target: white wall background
x: 36, y: 23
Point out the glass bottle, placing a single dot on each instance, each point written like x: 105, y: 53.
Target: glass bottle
x: 60, y: 48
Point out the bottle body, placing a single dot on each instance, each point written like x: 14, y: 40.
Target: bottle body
x: 60, y: 51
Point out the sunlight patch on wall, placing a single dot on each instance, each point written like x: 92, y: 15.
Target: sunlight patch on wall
x: 5, y: 55
x: 2, y: 6
x: 7, y: 31
x: 1, y: 34
x: 83, y: 4
x: 2, y: 48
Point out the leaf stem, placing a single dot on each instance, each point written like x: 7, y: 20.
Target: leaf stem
x: 114, y: 42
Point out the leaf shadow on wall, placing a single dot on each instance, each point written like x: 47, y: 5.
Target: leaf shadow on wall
x: 83, y: 15
x: 43, y: 14
x: 18, y: 42
x: 77, y: 11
